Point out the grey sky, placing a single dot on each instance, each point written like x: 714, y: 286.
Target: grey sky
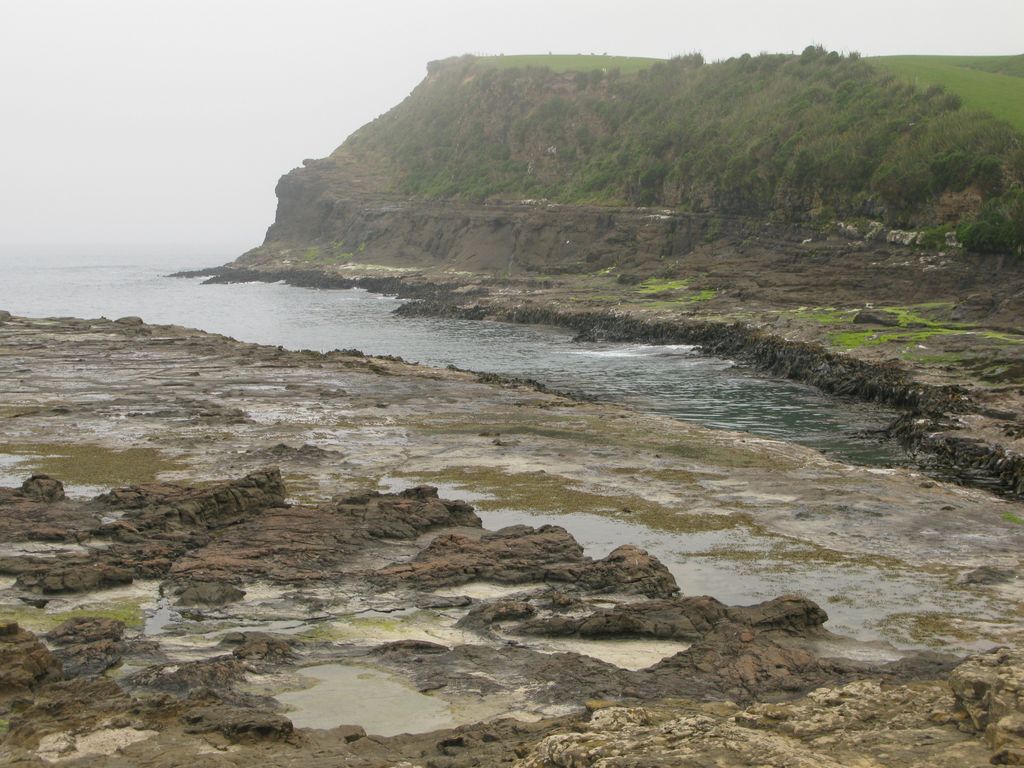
x: 170, y: 121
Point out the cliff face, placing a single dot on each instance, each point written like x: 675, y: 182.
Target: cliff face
x: 317, y: 230
x: 796, y: 139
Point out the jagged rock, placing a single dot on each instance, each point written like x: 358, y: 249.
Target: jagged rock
x: 512, y: 555
x: 789, y: 613
x: 130, y: 320
x: 88, y: 645
x: 683, y: 618
x: 25, y: 663
x: 162, y: 506
x: 76, y: 706
x: 520, y: 554
x: 630, y: 570
x: 43, y: 488
x: 237, y: 724
x: 307, y: 452
x: 87, y: 577
x: 217, y: 674
x: 989, y: 688
x: 410, y: 647
x: 860, y: 724
x: 735, y: 663
x: 257, y: 645
x: 209, y: 593
x: 404, y: 515
x: 485, y: 614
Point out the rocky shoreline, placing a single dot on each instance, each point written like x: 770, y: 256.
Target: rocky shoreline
x: 207, y: 545
x: 926, y: 430
x: 154, y: 612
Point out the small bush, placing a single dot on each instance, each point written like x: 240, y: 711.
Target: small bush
x: 999, y: 227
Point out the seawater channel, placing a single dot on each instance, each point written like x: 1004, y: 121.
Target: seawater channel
x: 674, y: 381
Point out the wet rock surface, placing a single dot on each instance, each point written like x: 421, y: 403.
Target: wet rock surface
x: 738, y: 654
x: 830, y: 728
x: 522, y: 554
x: 989, y: 689
x: 25, y: 663
x: 88, y: 645
x: 182, y: 611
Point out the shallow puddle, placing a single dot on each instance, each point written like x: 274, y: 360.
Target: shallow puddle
x: 12, y: 474
x: 860, y: 599
x: 344, y: 694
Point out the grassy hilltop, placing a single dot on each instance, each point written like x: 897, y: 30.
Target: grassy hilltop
x: 814, y: 135
x: 991, y: 83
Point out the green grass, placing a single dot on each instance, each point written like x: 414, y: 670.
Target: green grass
x: 1012, y: 518
x: 991, y: 83
x: 658, y: 285
x: 627, y: 65
x: 1004, y: 65
x: 825, y: 315
x: 39, y: 620
x: 857, y: 339
x: 735, y: 137
x: 916, y: 323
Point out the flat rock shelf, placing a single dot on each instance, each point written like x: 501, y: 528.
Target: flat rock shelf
x: 213, y: 551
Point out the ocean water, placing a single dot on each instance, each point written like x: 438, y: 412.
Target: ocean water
x: 674, y: 380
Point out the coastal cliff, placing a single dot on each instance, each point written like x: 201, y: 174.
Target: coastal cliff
x: 811, y: 203
x: 492, y: 145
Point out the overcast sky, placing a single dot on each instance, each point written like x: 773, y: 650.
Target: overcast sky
x: 170, y: 121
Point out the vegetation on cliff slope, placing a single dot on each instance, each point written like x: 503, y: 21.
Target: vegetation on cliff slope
x: 991, y: 83
x: 815, y: 134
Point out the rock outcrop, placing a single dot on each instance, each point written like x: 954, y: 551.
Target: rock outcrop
x: 87, y: 645
x: 25, y: 663
x: 521, y: 554
x: 802, y: 706
x: 989, y: 689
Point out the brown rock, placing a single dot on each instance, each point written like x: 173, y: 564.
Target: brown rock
x: 209, y: 593
x: 25, y: 663
x: 404, y: 515
x: 165, y: 505
x: 989, y: 688
x: 789, y: 613
x: 485, y: 614
x: 680, y: 618
x: 43, y: 488
x: 88, y: 645
x: 630, y: 570
x: 85, y: 577
x: 257, y: 645
x: 520, y: 554
x: 237, y: 724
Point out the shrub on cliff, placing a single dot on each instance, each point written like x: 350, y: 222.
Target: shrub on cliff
x: 754, y: 134
x: 999, y: 228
